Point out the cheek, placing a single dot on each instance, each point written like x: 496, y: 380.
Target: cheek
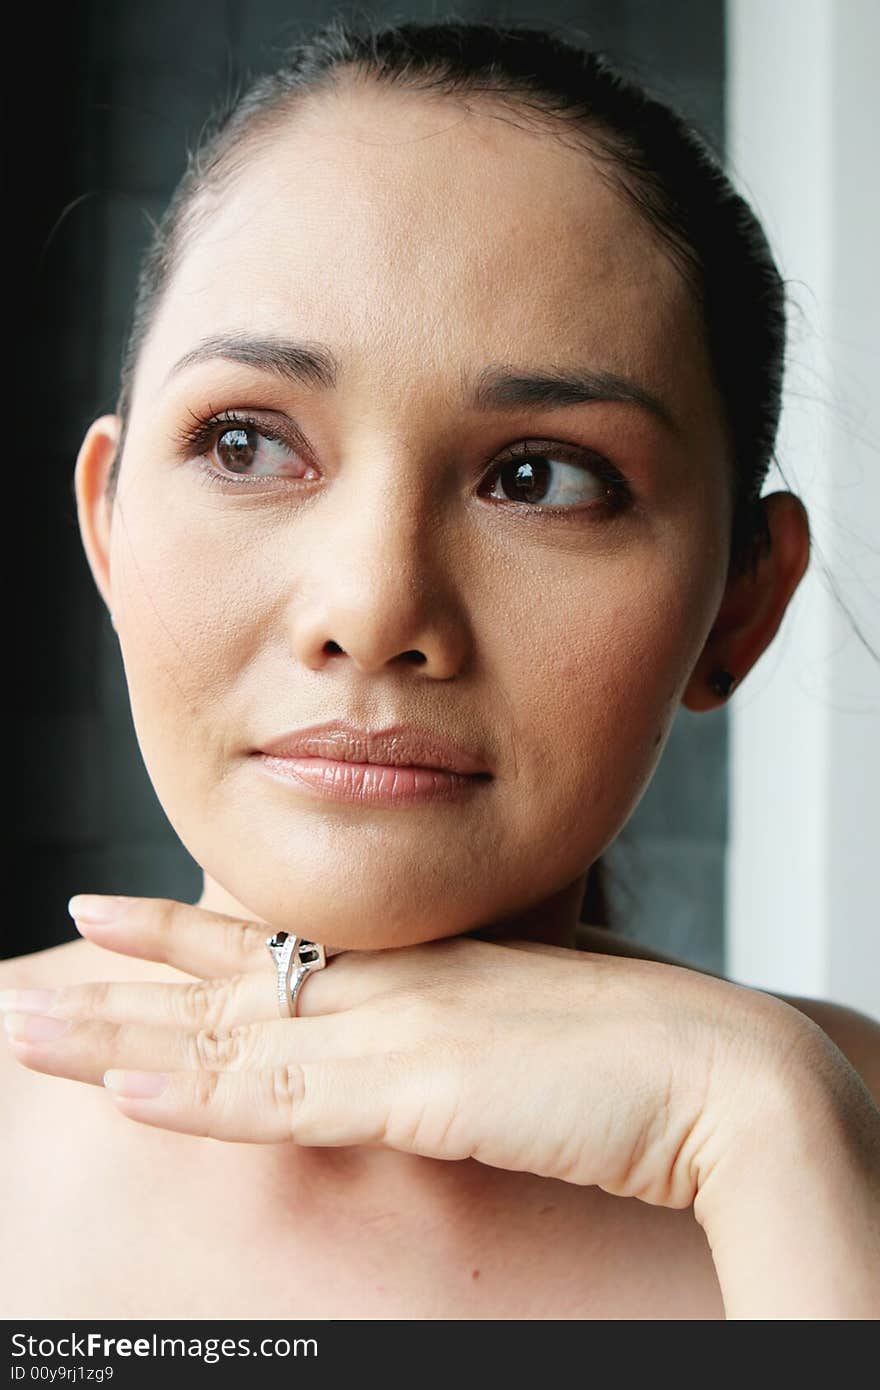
x: 599, y: 674
x: 187, y: 616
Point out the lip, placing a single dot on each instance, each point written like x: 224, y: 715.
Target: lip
x: 395, y: 745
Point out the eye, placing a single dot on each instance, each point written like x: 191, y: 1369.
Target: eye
x: 234, y: 448
x: 251, y: 451
x: 560, y: 478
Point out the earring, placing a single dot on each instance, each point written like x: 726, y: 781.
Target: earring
x: 722, y: 682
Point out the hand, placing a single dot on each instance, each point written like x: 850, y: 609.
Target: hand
x: 594, y: 1069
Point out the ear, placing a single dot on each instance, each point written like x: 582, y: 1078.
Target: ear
x: 753, y: 605
x: 93, y: 464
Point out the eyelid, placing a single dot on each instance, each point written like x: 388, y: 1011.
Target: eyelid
x: 192, y: 440
x: 205, y: 426
x: 523, y: 448
x: 197, y: 439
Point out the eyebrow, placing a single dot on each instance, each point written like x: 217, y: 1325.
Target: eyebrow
x: 498, y: 386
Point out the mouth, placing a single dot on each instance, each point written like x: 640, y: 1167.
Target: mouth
x: 399, y: 765
x: 395, y: 746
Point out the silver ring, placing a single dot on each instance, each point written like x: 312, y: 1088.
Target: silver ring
x: 294, y: 958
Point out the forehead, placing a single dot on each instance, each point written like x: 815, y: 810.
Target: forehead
x: 417, y: 235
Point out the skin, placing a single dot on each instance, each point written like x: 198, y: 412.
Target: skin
x: 380, y: 246
x: 560, y: 647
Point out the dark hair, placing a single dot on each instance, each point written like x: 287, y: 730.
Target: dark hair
x: 646, y: 151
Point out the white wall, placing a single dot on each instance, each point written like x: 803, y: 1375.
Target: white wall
x: 803, y: 880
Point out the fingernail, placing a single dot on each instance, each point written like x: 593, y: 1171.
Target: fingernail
x: 28, y: 1001
x: 139, y: 1085
x: 34, y: 1027
x: 87, y: 907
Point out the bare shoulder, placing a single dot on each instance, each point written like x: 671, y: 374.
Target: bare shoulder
x: 23, y: 972
x: 855, y: 1034
x: 78, y: 962
x: 68, y: 963
x: 22, y: 1090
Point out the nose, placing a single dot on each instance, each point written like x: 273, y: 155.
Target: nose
x: 377, y: 587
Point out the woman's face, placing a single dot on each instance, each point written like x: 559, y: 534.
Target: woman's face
x: 388, y: 515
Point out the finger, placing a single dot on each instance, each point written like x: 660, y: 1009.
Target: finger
x: 87, y: 1049
x: 193, y: 939
x: 197, y: 1004
x: 221, y: 1003
x: 210, y: 945
x: 340, y: 1101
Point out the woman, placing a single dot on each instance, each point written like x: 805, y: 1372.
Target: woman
x: 448, y: 402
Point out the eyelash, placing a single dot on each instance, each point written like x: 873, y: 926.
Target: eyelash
x: 199, y: 437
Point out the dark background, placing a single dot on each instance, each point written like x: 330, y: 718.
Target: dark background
x: 103, y: 100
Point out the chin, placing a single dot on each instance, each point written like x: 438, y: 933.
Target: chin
x: 371, y: 918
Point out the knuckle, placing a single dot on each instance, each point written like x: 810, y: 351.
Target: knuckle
x: 91, y: 998
x: 247, y: 936
x: 204, y: 1003
x: 112, y: 1035
x: 215, y: 1050
x: 165, y: 916
x: 288, y: 1089
x: 204, y: 1093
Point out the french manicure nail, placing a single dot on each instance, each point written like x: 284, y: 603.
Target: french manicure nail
x: 138, y: 1085
x: 86, y: 907
x: 35, y: 1027
x: 27, y: 1001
